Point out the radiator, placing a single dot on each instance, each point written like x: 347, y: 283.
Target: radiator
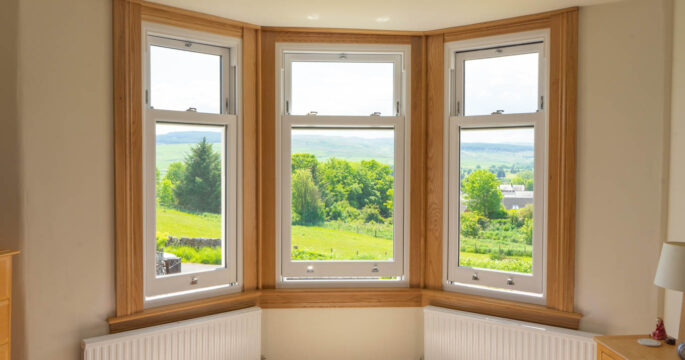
x: 233, y: 335
x: 457, y: 335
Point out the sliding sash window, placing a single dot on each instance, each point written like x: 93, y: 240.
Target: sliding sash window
x: 496, y: 147
x: 191, y: 170
x: 343, y: 140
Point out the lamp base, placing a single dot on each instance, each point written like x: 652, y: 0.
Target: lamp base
x: 681, y: 350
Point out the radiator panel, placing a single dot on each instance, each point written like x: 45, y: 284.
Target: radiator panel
x: 457, y: 335
x: 234, y: 335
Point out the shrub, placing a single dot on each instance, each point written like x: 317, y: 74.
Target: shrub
x: 469, y: 224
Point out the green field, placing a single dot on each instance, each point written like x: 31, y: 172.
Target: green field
x: 318, y: 243
x: 172, y: 222
x: 522, y: 264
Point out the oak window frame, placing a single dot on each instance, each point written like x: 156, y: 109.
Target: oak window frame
x: 294, y: 274
x: 478, y: 281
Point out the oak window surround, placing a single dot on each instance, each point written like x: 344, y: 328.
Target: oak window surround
x: 353, y: 94
x: 496, y: 114
x: 425, y: 236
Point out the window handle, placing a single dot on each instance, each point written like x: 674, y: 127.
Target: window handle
x: 313, y: 113
x: 498, y: 112
x: 376, y: 113
x: 510, y: 281
x: 192, y: 109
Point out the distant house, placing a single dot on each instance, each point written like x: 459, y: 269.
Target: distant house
x: 515, y: 196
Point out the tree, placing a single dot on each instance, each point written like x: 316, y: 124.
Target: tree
x: 175, y: 172
x: 469, y: 224
x: 482, y: 194
x: 306, y: 202
x: 199, y: 188
x: 305, y: 161
x: 165, y: 193
x: 524, y: 178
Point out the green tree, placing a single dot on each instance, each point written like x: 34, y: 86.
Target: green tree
x: 305, y: 161
x: 482, y: 194
x: 175, y: 172
x: 199, y: 188
x: 165, y: 193
x: 306, y: 202
x: 524, y: 177
x: 469, y: 224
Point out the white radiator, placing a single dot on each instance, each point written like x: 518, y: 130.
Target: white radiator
x: 234, y: 335
x: 458, y: 335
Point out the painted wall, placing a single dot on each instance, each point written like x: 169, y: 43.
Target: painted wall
x: 64, y: 178
x: 65, y: 134
x: 10, y: 181
x: 624, y: 77
x: 676, y: 226
x: 341, y: 334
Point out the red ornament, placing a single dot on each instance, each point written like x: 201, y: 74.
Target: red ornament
x: 660, y: 332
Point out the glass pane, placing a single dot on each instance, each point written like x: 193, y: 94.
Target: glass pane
x: 342, y: 194
x: 507, y: 83
x: 496, y: 199
x: 180, y: 80
x: 190, y: 214
x: 336, y: 88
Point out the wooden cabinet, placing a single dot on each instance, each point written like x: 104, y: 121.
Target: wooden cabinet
x: 5, y: 302
x: 626, y: 348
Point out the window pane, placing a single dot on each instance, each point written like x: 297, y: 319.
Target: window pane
x: 507, y: 83
x: 337, y: 88
x: 342, y: 194
x: 190, y: 214
x: 496, y: 199
x: 180, y: 80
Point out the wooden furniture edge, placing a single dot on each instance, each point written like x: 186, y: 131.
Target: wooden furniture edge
x: 627, y: 347
x: 502, y: 308
x: 9, y: 252
x: 183, y: 311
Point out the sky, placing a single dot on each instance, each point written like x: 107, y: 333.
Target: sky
x: 182, y: 79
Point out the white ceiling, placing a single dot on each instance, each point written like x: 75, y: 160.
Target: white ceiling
x: 373, y: 14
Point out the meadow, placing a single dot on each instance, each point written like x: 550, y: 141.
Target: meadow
x: 331, y: 241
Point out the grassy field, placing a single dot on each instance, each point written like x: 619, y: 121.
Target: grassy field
x: 522, y: 264
x: 316, y: 243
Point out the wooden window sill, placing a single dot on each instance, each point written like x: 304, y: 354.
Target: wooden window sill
x: 324, y: 298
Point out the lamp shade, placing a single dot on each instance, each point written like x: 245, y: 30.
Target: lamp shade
x: 670, y: 273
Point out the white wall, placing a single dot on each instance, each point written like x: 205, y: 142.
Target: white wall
x: 341, y: 334
x: 676, y: 226
x: 65, y: 182
x: 65, y: 134
x: 622, y: 125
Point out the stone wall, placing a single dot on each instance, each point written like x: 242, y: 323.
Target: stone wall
x: 193, y: 242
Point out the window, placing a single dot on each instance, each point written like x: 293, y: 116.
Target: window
x: 496, y: 171
x: 190, y: 140
x: 343, y: 140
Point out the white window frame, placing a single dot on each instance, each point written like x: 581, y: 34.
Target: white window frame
x: 228, y: 279
x: 493, y: 283
x: 342, y: 273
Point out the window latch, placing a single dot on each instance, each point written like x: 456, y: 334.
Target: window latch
x: 498, y: 112
x: 375, y: 268
x: 313, y: 113
x: 192, y: 109
x: 376, y: 113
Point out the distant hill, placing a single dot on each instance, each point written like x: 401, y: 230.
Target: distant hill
x: 173, y: 146
x: 188, y: 137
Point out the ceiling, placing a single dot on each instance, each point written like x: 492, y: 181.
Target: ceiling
x: 373, y: 14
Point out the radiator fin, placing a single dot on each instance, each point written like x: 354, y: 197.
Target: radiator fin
x: 229, y: 336
x: 457, y: 335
